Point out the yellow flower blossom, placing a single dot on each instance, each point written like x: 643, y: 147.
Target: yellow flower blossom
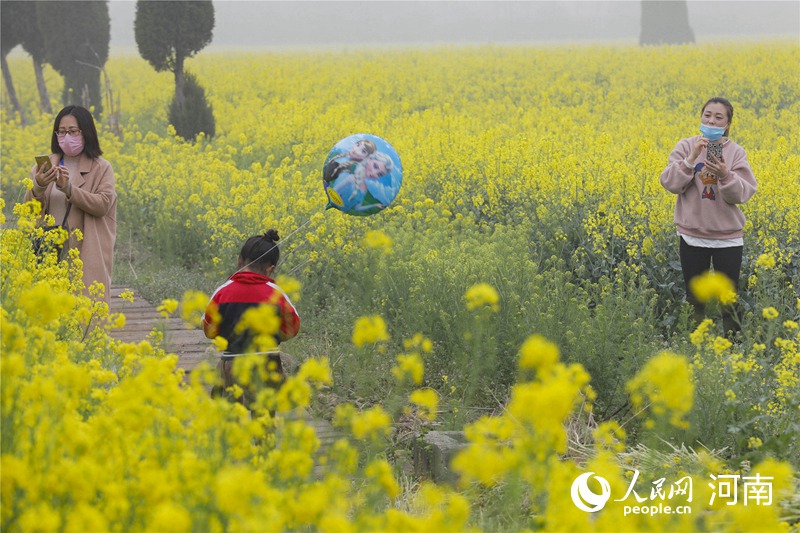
x: 410, y: 366
x: 665, y: 383
x: 167, y: 307
x: 721, y: 344
x: 769, y: 313
x: 315, y: 370
x: 193, y: 306
x: 372, y: 423
x: 765, y: 261
x: 713, y: 286
x: 290, y: 286
x: 369, y: 330
x: 418, y: 341
x: 427, y: 400
x: 378, y: 239
x: 537, y: 353
x: 481, y: 295
x: 754, y: 443
x: 381, y: 472
x: 220, y: 343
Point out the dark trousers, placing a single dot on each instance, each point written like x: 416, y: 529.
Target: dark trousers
x: 269, y: 374
x: 696, y: 260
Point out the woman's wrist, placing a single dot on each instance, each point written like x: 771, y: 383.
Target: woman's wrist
x: 67, y: 190
x: 37, y: 188
x: 688, y: 164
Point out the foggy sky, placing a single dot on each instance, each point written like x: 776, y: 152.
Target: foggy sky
x: 334, y: 23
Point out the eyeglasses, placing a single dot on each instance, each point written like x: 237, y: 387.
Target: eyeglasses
x: 72, y: 132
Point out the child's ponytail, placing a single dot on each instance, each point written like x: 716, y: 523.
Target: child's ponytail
x: 261, y: 251
x: 272, y: 235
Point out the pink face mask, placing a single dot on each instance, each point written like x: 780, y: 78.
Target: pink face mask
x: 71, y: 146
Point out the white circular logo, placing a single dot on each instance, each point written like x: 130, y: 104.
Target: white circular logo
x: 582, y: 495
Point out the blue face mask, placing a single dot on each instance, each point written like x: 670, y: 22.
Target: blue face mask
x: 711, y: 133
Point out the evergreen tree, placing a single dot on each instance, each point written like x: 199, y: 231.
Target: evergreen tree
x: 196, y: 114
x: 76, y: 41
x: 33, y: 43
x: 168, y: 32
x: 13, y: 17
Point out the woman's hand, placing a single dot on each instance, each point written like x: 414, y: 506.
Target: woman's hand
x: 699, y: 145
x: 62, y: 179
x: 717, y: 166
x: 43, y: 179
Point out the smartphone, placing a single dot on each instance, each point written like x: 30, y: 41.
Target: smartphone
x: 43, y: 162
x: 716, y: 149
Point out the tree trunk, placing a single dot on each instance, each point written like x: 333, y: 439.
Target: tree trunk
x: 44, y: 97
x: 180, y: 99
x: 665, y: 22
x: 82, y: 87
x: 12, y: 93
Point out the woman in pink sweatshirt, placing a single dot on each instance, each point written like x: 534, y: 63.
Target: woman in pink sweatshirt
x: 711, y: 176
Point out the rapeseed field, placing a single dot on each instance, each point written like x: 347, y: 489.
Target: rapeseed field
x: 523, y: 287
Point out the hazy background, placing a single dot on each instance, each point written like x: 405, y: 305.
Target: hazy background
x: 258, y: 24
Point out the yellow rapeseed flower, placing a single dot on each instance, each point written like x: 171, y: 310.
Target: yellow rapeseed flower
x: 482, y: 294
x: 721, y: 344
x: 418, y: 341
x: 713, y: 286
x: 372, y: 423
x: 45, y: 304
x: 220, y: 343
x: 167, y: 307
x: 754, y: 443
x: 290, y: 286
x: 381, y: 472
x: 193, y: 306
x: 769, y: 313
x: 316, y: 370
x: 765, y: 261
x: 537, y: 353
x: 699, y: 335
x: 378, y: 239
x: 369, y: 330
x: 410, y: 366
x: 427, y: 400
x: 665, y: 382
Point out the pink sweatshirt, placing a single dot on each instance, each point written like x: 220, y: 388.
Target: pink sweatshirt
x: 707, y: 207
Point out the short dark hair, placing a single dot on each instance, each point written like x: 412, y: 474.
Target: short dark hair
x: 261, y: 251
x: 728, y: 106
x: 91, y: 143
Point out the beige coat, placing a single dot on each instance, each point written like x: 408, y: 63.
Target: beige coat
x: 94, y: 212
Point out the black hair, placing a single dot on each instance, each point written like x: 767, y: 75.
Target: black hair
x: 261, y: 251
x: 91, y: 142
x: 728, y: 106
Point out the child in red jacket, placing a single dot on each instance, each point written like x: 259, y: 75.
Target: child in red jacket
x: 246, y: 291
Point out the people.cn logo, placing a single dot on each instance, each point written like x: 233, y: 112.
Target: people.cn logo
x: 583, y: 497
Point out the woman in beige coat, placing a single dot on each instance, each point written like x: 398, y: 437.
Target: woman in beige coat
x: 80, y: 177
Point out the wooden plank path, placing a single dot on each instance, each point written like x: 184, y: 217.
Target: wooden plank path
x: 187, y: 342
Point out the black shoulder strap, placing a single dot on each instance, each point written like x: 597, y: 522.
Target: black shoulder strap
x: 64, y: 222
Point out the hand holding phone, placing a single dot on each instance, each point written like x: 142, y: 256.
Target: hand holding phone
x: 715, y: 148
x: 45, y: 172
x: 43, y: 163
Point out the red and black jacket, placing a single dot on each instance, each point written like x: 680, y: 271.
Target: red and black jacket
x: 242, y: 291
